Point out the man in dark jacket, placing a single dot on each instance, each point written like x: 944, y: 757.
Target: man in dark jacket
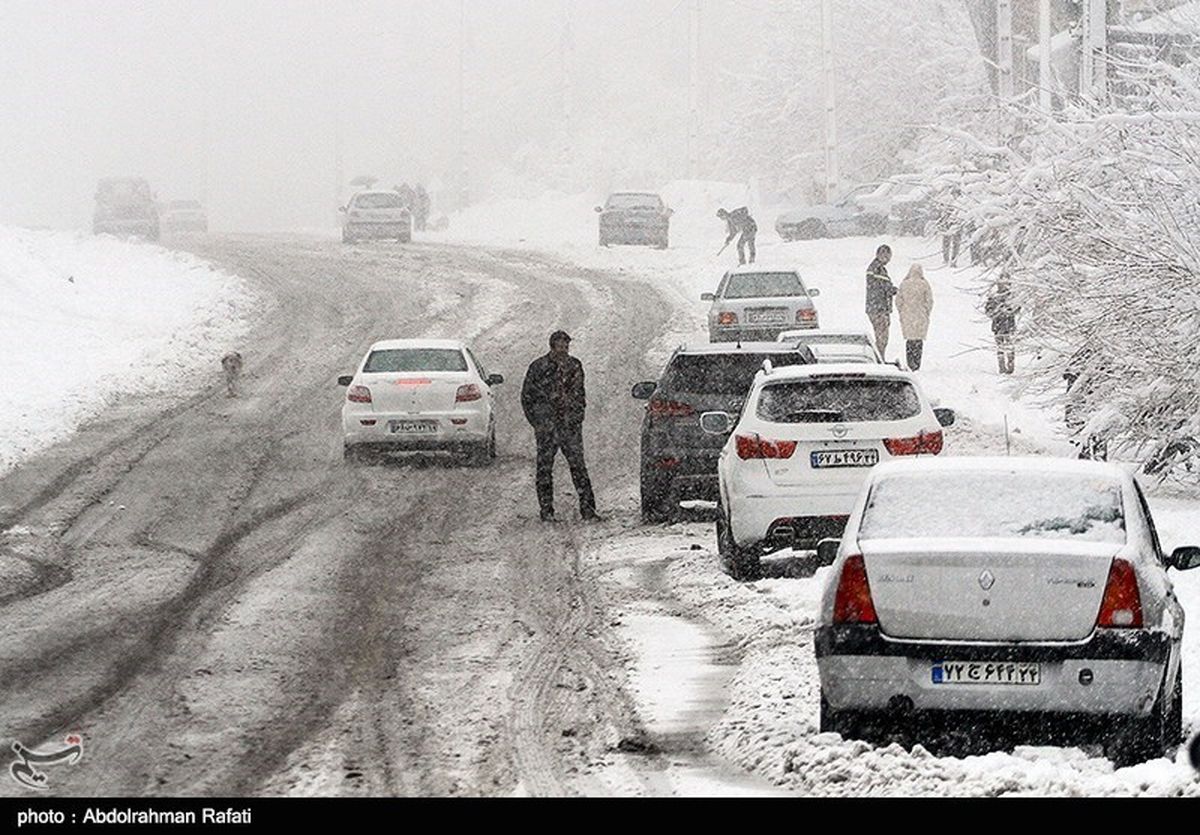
x: 1003, y: 313
x: 738, y: 222
x: 553, y: 400
x: 879, y: 297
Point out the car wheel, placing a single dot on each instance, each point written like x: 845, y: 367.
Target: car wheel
x: 739, y: 563
x: 483, y: 454
x: 811, y: 229
x: 873, y: 224
x: 844, y: 722
x: 654, y: 495
x: 354, y: 454
x: 347, y: 238
x: 662, y: 243
x: 1157, y: 735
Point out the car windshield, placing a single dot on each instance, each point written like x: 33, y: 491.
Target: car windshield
x: 116, y: 191
x: 994, y: 504
x: 415, y: 359
x: 763, y: 285
x: 377, y: 201
x: 723, y: 374
x: 838, y: 400
x: 635, y: 201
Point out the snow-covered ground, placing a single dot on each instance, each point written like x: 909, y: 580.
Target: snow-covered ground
x: 85, y: 319
x: 770, y: 724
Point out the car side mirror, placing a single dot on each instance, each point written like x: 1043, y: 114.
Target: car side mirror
x: 1194, y: 752
x: 670, y: 212
x: 716, y: 423
x: 827, y: 550
x: 945, y: 416
x: 813, y: 293
x: 707, y: 297
x: 599, y: 209
x: 644, y: 391
x: 345, y: 379
x: 1184, y: 558
x: 494, y: 379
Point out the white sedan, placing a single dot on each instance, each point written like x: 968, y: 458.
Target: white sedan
x: 413, y: 395
x: 1027, y: 594
x: 790, y: 472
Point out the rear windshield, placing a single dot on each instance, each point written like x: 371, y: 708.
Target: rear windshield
x: 838, y: 400
x: 730, y: 374
x: 995, y: 504
x: 761, y: 285
x: 415, y: 359
x: 377, y: 201
x: 635, y: 201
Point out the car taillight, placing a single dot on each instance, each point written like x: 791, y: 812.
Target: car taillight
x: 754, y: 446
x: 359, y: 394
x: 669, y: 408
x: 467, y: 393
x: 1122, y: 603
x: 924, y: 443
x: 852, y: 603
x: 806, y: 315
x: 727, y: 319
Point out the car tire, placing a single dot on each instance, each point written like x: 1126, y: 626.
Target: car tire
x: 844, y: 722
x: 873, y: 224
x: 662, y: 243
x: 354, y: 454
x: 347, y: 238
x: 741, y: 564
x: 1154, y: 736
x: 810, y: 229
x: 482, y: 455
x: 654, y: 495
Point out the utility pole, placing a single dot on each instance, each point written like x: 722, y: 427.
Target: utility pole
x: 1004, y: 48
x: 832, y: 179
x: 1093, y: 58
x: 694, y: 91
x: 567, y: 61
x: 1044, y: 89
x: 462, y: 105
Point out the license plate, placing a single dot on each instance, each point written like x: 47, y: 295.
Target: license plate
x: 413, y: 427
x: 768, y: 316
x: 844, y: 458
x: 987, y: 672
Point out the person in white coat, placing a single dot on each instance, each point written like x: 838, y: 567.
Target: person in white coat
x: 914, y: 302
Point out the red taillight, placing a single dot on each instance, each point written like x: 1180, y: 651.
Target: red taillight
x: 467, y: 393
x: 359, y: 394
x: 852, y: 603
x: 669, y: 408
x: 806, y: 315
x: 1122, y: 603
x: 754, y: 446
x: 924, y: 443
x: 727, y: 319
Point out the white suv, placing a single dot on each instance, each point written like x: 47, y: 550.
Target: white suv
x: 806, y: 438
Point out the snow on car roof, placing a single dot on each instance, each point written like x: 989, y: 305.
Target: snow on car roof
x: 738, y: 348
x: 384, y: 344
x: 836, y: 369
x: 826, y: 333
x: 1014, y: 463
x: 754, y: 269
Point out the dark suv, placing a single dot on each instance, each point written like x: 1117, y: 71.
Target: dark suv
x: 679, y: 460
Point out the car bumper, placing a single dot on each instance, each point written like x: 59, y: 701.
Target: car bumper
x: 754, y: 333
x: 862, y: 669
x: 374, y: 429
x: 634, y: 234
x: 378, y: 230
x: 755, y: 517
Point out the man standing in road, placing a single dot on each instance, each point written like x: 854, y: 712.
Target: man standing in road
x: 738, y: 222
x: 879, y: 297
x: 553, y: 400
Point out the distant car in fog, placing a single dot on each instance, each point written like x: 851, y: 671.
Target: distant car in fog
x: 753, y: 303
x: 183, y: 216
x: 376, y: 214
x: 634, y: 217
x: 912, y: 211
x: 835, y: 346
x: 863, y: 210
x: 125, y: 206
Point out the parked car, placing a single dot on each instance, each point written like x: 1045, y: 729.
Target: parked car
x: 912, y: 211
x: 861, y: 211
x: 759, y: 303
x: 1032, y: 594
x: 411, y: 395
x: 183, y: 216
x: 790, y: 470
x: 835, y: 346
x: 376, y: 214
x: 679, y: 460
x: 634, y: 217
x: 125, y: 206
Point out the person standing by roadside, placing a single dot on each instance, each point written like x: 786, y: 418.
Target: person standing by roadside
x: 879, y: 297
x: 554, y: 402
x: 1000, y: 309
x: 914, y: 302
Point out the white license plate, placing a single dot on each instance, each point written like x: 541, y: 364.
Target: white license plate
x: 413, y: 427
x: 986, y: 672
x: 844, y: 458
x: 766, y: 317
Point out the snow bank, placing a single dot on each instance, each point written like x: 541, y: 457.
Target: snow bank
x: 84, y: 320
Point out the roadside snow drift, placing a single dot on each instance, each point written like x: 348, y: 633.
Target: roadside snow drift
x: 85, y: 319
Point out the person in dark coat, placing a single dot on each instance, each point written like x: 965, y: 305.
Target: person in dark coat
x: 1003, y: 313
x: 738, y: 222
x: 879, y: 297
x: 421, y: 207
x: 554, y: 402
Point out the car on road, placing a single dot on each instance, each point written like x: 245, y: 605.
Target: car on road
x: 912, y: 211
x: 634, y: 217
x: 125, y: 206
x: 755, y: 303
x: 376, y: 214
x: 183, y: 216
x: 1029, y: 595
x: 414, y: 395
x: 861, y: 211
x: 793, y: 461
x: 678, y: 459
x: 835, y: 346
